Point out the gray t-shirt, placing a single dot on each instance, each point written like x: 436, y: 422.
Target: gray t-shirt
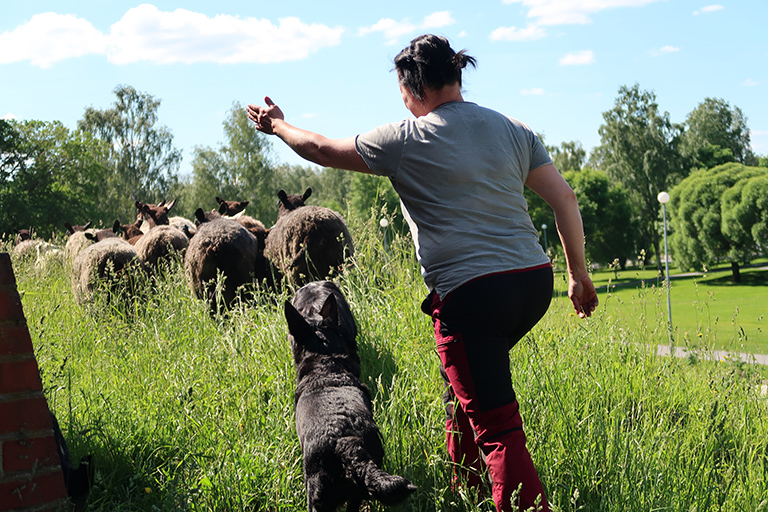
x: 460, y: 173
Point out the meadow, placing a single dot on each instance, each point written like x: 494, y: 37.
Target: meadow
x: 185, y: 411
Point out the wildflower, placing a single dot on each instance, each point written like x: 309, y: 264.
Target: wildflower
x: 147, y: 490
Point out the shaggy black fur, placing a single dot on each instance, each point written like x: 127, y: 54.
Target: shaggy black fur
x: 340, y: 440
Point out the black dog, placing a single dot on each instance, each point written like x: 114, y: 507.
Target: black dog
x: 340, y: 441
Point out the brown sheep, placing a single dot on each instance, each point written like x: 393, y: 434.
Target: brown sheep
x: 307, y: 243
x: 221, y: 247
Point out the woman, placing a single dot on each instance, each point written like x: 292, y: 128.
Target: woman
x: 459, y: 170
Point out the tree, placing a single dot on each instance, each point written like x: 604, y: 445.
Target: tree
x: 607, y: 216
x: 240, y: 169
x: 745, y: 216
x: 143, y: 163
x: 639, y: 149
x: 570, y: 156
x: 698, y: 215
x: 49, y: 175
x: 715, y: 123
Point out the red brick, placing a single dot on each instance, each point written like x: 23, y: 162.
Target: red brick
x: 23, y: 455
x: 6, y: 271
x: 31, y: 414
x: 10, y: 306
x: 20, y: 376
x: 15, y: 339
x: 31, y: 492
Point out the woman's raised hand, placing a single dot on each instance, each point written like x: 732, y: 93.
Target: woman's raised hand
x: 262, y: 117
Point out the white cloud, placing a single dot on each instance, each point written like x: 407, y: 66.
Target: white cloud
x: 9, y: 117
x: 708, y: 9
x: 48, y: 38
x: 535, y: 91
x: 565, y: 12
x: 578, y: 59
x: 529, y: 33
x: 669, y: 49
x: 394, y: 30
x: 146, y: 34
x: 750, y: 82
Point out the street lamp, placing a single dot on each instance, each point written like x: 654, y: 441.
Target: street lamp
x: 544, y: 228
x: 663, y: 198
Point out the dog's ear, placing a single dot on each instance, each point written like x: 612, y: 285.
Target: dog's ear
x: 297, y: 324
x: 330, y: 311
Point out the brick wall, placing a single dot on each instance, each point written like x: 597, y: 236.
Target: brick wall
x: 31, y: 479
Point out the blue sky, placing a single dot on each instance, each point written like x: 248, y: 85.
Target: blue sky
x: 557, y: 65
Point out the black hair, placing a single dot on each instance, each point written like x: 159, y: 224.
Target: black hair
x: 430, y: 62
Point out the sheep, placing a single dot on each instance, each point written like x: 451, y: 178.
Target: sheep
x: 154, y: 214
x: 22, y: 235
x: 76, y: 229
x: 76, y: 242
x: 106, y: 262
x: 308, y: 242
x: 220, y: 246
x: 44, y: 253
x: 130, y: 232
x: 159, y: 242
x: 231, y: 208
x: 181, y: 223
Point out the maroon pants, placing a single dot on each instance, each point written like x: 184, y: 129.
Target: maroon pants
x: 475, y: 327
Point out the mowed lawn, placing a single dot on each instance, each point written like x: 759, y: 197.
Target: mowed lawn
x: 709, y: 310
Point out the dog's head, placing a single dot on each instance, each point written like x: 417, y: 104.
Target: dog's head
x: 319, y: 321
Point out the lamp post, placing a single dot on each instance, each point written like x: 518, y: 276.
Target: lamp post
x: 663, y: 198
x: 384, y: 223
x: 544, y: 228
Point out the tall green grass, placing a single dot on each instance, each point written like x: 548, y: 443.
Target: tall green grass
x: 185, y: 411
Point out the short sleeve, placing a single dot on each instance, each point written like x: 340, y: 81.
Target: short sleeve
x: 539, y: 155
x: 382, y: 148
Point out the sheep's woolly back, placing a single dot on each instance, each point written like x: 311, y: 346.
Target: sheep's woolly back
x: 159, y: 242
x: 220, y: 246
x: 25, y: 249
x: 76, y: 243
x: 178, y: 222
x: 309, y: 243
x: 99, y: 262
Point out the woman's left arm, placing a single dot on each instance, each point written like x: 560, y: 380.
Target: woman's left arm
x: 337, y: 153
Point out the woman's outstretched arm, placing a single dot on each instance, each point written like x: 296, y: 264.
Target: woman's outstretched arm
x: 337, y: 153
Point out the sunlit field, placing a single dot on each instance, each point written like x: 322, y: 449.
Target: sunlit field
x: 187, y: 411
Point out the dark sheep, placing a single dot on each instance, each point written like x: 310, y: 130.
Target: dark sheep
x: 71, y: 230
x: 340, y: 441
x: 308, y: 242
x: 154, y: 214
x: 220, y: 246
x: 129, y: 232
x: 231, y: 208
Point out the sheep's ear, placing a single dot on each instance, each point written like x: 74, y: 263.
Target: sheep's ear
x: 282, y: 195
x: 91, y: 236
x: 245, y: 203
x: 116, y: 228
x: 87, y: 225
x: 140, y: 206
x: 219, y: 200
x: 222, y: 207
x: 330, y: 311
x: 307, y: 193
x: 171, y: 204
x: 200, y: 215
x: 297, y: 324
x: 70, y: 229
x: 161, y: 203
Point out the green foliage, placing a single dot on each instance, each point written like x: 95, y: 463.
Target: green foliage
x: 239, y: 170
x: 570, y: 156
x: 745, y: 216
x: 143, y: 163
x: 640, y: 149
x: 699, y: 213
x: 715, y: 123
x: 607, y: 215
x: 49, y: 175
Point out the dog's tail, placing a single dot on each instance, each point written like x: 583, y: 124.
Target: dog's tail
x: 380, y: 485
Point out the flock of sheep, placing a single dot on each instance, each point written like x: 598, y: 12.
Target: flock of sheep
x: 226, y: 253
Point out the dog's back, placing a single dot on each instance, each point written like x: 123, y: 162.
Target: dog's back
x: 340, y: 441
